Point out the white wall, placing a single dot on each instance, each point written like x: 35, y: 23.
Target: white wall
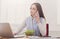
x: 14, y: 11
x: 58, y: 12
x: 0, y: 6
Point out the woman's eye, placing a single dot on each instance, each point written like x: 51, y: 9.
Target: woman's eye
x: 33, y: 8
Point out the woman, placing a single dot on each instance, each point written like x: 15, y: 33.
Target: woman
x: 36, y: 21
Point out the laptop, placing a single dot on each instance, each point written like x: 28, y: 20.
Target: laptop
x: 5, y: 30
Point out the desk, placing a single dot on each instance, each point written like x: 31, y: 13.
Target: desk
x: 14, y: 38
x: 33, y: 37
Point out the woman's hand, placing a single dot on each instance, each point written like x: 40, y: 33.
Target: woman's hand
x: 14, y: 33
x: 37, y: 17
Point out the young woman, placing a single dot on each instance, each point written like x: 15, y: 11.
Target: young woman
x: 36, y: 21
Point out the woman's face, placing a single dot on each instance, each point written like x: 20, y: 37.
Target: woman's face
x: 33, y: 9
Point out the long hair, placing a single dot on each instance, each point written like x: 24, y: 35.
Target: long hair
x: 39, y: 8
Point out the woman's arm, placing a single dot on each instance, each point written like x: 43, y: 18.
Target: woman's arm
x: 22, y: 29
x: 41, y: 24
x: 42, y: 27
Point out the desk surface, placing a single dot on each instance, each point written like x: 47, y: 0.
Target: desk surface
x: 29, y: 38
x: 15, y: 38
x: 32, y: 37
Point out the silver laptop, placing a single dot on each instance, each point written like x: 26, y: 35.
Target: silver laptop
x: 5, y: 30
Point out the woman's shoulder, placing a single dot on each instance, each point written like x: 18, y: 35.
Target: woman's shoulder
x: 28, y: 18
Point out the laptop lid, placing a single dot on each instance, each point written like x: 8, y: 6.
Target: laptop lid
x: 5, y: 30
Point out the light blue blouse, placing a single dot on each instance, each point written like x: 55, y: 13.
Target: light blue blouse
x: 32, y: 25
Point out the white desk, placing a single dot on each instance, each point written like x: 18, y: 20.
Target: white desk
x: 33, y: 37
